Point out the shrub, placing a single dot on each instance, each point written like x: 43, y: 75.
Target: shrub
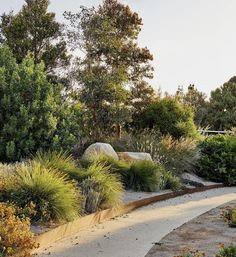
x: 177, y: 155
x: 15, y: 236
x: 33, y: 114
x: 227, y: 251
x: 54, y: 197
x: 170, y: 117
x: 218, y: 159
x: 101, y: 189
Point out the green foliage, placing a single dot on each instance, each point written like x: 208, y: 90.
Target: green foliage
x: 221, y: 114
x: 170, y: 181
x: 230, y: 216
x: 32, y: 113
x: 39, y: 34
x: 168, y: 116
x: 218, y: 159
x: 227, y: 251
x: 177, y: 155
x: 101, y: 189
x: 144, y: 176
x: 108, y: 37
x: 15, y: 235
x: 54, y: 197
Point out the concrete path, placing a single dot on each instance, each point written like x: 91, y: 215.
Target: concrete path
x: 134, y: 234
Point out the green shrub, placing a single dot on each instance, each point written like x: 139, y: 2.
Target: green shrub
x: 168, y: 116
x: 54, y: 197
x: 101, y: 189
x: 15, y: 236
x: 218, y: 159
x: 227, y: 251
x: 33, y: 114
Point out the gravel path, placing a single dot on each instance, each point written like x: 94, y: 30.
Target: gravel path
x: 134, y: 234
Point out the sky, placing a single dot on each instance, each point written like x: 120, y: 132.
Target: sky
x: 193, y: 41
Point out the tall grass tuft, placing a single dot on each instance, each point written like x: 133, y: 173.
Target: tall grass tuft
x: 177, y: 155
x: 144, y: 176
x: 54, y: 197
x: 101, y: 188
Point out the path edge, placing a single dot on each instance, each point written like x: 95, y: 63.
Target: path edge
x: 88, y: 221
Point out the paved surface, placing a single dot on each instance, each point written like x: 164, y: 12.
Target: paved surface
x: 204, y: 233
x: 134, y: 234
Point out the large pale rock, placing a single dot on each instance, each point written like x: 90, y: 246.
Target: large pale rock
x: 98, y: 149
x: 133, y: 156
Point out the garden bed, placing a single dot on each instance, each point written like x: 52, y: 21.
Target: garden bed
x: 205, y: 233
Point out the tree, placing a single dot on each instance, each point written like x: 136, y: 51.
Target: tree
x: 221, y: 112
x: 168, y: 116
x: 196, y: 100
x: 35, y: 30
x: 113, y: 62
x: 32, y: 113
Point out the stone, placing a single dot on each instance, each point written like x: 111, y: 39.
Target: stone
x: 99, y: 149
x: 130, y: 157
x: 193, y: 180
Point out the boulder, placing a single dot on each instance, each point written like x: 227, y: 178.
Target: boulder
x: 98, y: 149
x: 133, y: 156
x: 194, y: 180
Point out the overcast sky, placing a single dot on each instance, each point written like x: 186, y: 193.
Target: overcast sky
x: 193, y: 41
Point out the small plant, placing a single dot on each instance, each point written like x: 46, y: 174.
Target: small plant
x: 170, y: 181
x: 101, y: 189
x: 191, y: 253
x: 227, y: 251
x: 55, y: 198
x: 230, y: 216
x: 15, y: 236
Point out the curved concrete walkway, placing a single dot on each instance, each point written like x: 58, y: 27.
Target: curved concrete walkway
x: 133, y: 235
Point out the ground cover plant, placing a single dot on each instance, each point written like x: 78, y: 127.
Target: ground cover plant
x: 230, y: 216
x: 15, y: 235
x: 218, y: 159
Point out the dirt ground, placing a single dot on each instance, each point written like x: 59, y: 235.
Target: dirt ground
x: 204, y: 233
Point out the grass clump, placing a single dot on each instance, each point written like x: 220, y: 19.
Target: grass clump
x: 144, y: 176
x: 54, y: 197
x: 101, y: 189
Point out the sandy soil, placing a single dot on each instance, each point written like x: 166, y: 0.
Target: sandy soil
x: 204, y: 233
x: 134, y: 234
